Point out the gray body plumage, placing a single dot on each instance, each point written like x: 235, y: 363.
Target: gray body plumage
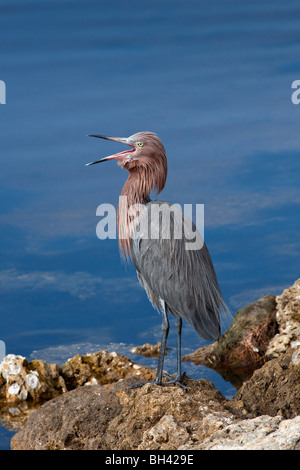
x: 172, y: 261
x: 184, y: 279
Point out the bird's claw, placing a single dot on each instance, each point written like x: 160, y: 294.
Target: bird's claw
x: 177, y: 380
x: 172, y: 381
x: 138, y: 385
x: 155, y: 381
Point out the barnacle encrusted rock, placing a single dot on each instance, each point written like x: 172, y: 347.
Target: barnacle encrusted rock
x: 36, y: 381
x: 148, y: 350
x: 108, y: 414
x: 288, y: 319
x: 114, y: 416
x: 241, y: 349
x: 274, y: 388
x: 101, y: 367
x: 25, y: 385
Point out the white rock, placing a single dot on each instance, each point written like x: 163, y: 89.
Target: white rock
x: 32, y: 380
x: 261, y: 433
x: 296, y: 357
x: 13, y: 389
x: 14, y: 369
x: 23, y: 395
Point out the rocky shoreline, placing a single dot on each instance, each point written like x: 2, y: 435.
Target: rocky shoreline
x: 87, y: 403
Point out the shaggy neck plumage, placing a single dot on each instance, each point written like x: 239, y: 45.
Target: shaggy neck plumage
x: 135, y: 191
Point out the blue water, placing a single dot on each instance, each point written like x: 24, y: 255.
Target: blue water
x: 213, y: 79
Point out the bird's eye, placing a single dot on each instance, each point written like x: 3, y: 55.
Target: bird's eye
x: 139, y: 144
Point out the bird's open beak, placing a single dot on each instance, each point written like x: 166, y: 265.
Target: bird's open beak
x: 116, y: 156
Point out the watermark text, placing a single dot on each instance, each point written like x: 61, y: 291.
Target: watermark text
x: 296, y: 94
x: 2, y: 92
x: 2, y: 350
x: 155, y: 221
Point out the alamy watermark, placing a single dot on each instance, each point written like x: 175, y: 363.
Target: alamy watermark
x: 2, y: 350
x: 2, y: 92
x: 296, y: 94
x: 155, y: 221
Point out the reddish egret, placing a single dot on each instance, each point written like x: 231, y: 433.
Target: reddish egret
x: 177, y: 281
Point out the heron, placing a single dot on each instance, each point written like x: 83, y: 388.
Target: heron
x: 177, y: 281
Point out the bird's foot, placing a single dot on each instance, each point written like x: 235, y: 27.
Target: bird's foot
x: 137, y: 385
x: 141, y: 384
x: 177, y: 380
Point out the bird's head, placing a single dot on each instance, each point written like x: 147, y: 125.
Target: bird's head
x: 146, y: 155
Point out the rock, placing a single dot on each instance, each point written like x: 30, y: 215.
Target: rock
x: 147, y: 350
x: 241, y: 349
x: 113, y: 416
x: 32, y: 381
x: 36, y: 381
x: 101, y: 367
x: 107, y: 414
x: 288, y: 319
x: 261, y: 433
x: 13, y: 416
x: 274, y: 388
x: 25, y: 385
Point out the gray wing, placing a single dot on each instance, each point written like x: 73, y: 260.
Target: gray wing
x: 170, y: 270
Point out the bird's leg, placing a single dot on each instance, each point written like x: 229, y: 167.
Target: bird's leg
x: 179, y: 376
x: 164, y: 337
x: 165, y: 332
x: 179, y: 328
